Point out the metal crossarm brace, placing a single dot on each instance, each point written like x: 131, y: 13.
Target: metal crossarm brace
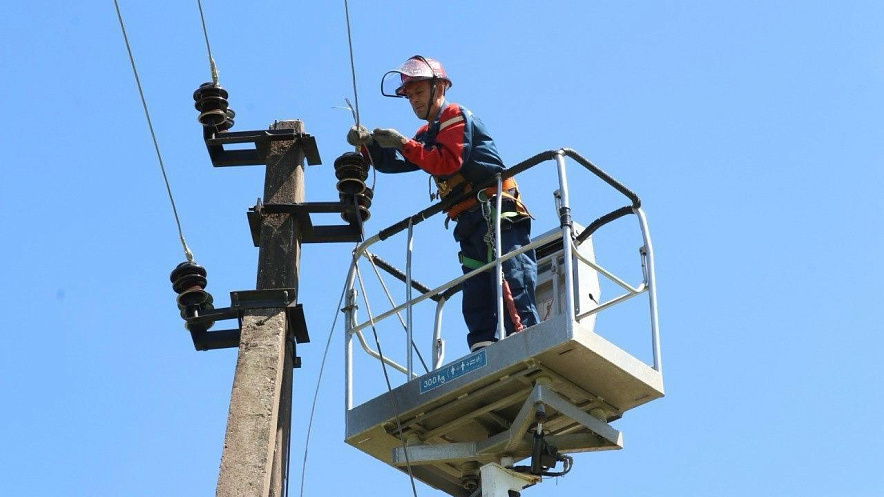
x: 309, y: 233
x: 239, y: 302
x: 261, y: 138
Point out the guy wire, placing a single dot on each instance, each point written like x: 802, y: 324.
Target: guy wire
x: 187, y: 253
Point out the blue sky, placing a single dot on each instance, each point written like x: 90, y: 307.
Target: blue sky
x: 751, y: 130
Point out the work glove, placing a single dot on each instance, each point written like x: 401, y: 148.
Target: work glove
x: 388, y: 138
x: 358, y: 135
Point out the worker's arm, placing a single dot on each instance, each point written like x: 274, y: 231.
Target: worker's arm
x: 386, y: 160
x: 451, y: 146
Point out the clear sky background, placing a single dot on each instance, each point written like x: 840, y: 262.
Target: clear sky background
x: 751, y: 130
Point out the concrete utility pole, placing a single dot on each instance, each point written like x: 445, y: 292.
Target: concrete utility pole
x: 255, y: 457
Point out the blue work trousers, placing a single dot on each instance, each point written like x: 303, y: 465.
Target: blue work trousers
x: 480, y: 291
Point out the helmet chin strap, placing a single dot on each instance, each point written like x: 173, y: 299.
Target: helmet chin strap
x: 432, y: 98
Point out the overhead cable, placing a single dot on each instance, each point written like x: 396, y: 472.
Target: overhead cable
x: 352, y: 64
x: 392, y: 398
x: 187, y: 253
x: 316, y: 391
x: 212, y: 67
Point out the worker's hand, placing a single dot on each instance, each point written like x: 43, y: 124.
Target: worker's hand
x: 358, y: 135
x: 389, y: 138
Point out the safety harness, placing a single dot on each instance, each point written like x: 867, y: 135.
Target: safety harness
x: 484, y: 198
x: 456, y: 184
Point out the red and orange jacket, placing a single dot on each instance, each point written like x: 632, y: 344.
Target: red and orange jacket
x: 454, y: 142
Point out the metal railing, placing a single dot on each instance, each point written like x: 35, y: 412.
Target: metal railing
x: 443, y: 292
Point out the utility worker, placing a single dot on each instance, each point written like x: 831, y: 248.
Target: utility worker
x: 455, y: 148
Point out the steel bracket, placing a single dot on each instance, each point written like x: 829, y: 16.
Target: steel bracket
x: 240, y: 301
x: 215, y: 142
x: 350, y: 232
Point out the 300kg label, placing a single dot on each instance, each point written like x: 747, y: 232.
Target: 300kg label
x: 452, y: 371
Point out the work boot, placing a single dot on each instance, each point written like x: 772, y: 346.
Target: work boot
x: 480, y: 345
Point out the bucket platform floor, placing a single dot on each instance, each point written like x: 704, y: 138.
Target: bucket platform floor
x: 480, y: 408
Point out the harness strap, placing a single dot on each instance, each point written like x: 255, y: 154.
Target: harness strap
x: 457, y: 209
x: 450, y: 184
x: 469, y: 262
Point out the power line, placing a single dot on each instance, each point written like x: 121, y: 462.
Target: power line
x: 212, y: 67
x: 398, y: 314
x: 392, y: 398
x: 316, y: 391
x: 187, y: 253
x: 352, y: 64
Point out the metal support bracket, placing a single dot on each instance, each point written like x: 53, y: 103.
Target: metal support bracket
x: 215, y: 142
x: 350, y: 232
x: 239, y: 302
x: 516, y: 442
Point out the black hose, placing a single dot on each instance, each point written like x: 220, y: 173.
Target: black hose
x: 598, y: 223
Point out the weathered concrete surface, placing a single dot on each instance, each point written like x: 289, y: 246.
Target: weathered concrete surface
x: 259, y: 421
x: 254, y: 406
